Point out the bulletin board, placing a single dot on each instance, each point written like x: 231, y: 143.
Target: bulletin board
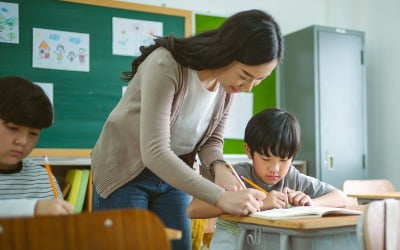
x: 82, y: 100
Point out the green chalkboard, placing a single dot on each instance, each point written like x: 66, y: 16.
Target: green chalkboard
x: 82, y: 100
x: 264, y: 94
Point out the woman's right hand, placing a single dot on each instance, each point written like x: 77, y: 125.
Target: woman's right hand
x: 241, y: 202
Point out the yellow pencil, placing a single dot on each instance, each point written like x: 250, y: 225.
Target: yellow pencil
x: 258, y: 187
x: 236, y: 176
x: 253, y: 184
x: 51, y: 179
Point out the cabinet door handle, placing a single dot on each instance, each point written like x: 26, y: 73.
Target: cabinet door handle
x: 330, y: 162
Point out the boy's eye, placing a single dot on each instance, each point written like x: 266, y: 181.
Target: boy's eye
x: 34, y: 132
x: 12, y: 127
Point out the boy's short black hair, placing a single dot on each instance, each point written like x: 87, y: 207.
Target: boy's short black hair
x: 24, y: 103
x: 273, y: 131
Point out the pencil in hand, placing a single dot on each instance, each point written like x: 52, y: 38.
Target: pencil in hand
x: 50, y: 176
x: 260, y: 188
x: 236, y: 176
x: 253, y: 184
x: 288, y: 205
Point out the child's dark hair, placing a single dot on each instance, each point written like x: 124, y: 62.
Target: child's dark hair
x: 250, y: 37
x: 273, y: 131
x: 24, y: 103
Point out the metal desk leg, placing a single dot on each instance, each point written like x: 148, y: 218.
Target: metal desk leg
x: 284, y: 242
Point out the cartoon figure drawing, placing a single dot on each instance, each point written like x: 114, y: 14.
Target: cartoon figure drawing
x: 71, y: 56
x: 7, y: 24
x: 82, y: 55
x: 123, y: 38
x: 44, y: 50
x: 59, y: 52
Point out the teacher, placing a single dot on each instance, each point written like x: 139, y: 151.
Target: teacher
x: 174, y: 108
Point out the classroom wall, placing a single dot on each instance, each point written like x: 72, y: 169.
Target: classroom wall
x: 379, y: 20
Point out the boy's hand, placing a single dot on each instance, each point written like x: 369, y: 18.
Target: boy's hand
x: 297, y: 198
x: 275, y: 199
x: 53, y: 207
x: 241, y: 202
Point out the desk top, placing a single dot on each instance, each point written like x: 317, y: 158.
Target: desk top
x: 377, y: 196
x: 306, y: 223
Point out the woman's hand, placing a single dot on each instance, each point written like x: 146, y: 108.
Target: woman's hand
x: 297, y: 198
x: 225, y: 178
x: 241, y: 202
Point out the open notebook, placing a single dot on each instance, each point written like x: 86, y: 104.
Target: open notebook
x: 302, y: 212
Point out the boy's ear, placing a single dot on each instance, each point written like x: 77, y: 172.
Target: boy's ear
x: 248, y: 151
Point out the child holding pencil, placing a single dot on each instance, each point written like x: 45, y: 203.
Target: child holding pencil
x: 25, y: 188
x: 272, y: 139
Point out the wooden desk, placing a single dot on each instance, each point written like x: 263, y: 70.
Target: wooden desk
x: 368, y: 197
x: 331, y: 232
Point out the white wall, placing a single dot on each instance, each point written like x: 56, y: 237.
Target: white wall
x: 380, y: 20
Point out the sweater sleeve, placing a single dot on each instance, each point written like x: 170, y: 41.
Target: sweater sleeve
x: 17, y: 207
x: 159, y: 77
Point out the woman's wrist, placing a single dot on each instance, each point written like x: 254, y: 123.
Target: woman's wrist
x: 216, y: 164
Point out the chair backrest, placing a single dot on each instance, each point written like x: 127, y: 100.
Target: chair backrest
x: 367, y: 186
x: 379, y: 226
x: 111, y: 229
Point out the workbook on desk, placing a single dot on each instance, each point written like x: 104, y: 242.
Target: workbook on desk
x: 302, y: 212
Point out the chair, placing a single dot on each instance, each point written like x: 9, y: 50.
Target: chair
x: 379, y: 226
x: 111, y: 229
x: 365, y: 187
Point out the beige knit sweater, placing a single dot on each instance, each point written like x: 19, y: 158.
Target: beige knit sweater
x: 137, y: 132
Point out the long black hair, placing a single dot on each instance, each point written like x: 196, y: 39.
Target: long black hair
x: 250, y: 37
x: 273, y: 131
x: 24, y: 103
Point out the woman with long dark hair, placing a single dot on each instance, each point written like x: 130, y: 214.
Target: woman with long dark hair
x: 174, y: 108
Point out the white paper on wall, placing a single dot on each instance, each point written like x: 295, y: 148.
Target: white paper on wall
x: 48, y: 90
x: 240, y: 113
x: 9, y: 19
x: 130, y: 34
x: 54, y: 49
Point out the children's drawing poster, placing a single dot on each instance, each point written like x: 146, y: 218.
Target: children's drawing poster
x: 9, y: 29
x: 54, y: 49
x: 130, y: 34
